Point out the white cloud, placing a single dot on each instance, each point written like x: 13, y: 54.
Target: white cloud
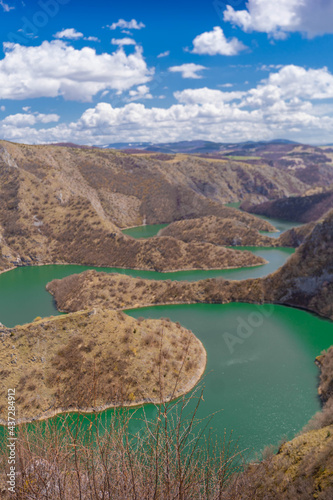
x: 312, y: 17
x: 130, y: 25
x: 123, y: 41
x: 164, y: 54
x: 72, y: 34
x: 142, y: 92
x: 189, y: 70
x: 206, y: 96
x: 215, y: 43
x: 69, y: 34
x: 292, y: 82
x: 2, y: 108
x: 57, y: 69
x: 5, y: 6
x: 292, y: 102
x: 22, y: 120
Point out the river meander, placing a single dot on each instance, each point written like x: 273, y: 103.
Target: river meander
x: 260, y: 370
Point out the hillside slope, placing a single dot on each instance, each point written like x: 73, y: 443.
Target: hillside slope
x: 218, y: 231
x: 132, y: 188
x: 295, y: 208
x: 232, y: 232
x: 50, y: 214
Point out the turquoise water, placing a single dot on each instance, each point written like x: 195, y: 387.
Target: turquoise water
x: 152, y: 230
x: 23, y: 296
x: 144, y: 231
x: 265, y: 384
x: 260, y: 377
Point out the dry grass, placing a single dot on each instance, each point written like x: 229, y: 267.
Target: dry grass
x: 220, y: 231
x: 96, y: 359
x: 117, y: 291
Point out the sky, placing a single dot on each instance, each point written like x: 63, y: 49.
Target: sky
x: 107, y: 72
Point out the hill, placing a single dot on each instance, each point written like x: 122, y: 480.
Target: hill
x: 59, y: 205
x: 305, y: 281
x: 296, y: 208
x: 131, y: 189
x: 232, y: 232
x: 311, y: 164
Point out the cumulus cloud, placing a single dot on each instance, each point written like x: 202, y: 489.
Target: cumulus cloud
x: 189, y: 70
x: 57, y: 69
x: 215, y: 43
x: 292, y: 82
x: 123, y: 41
x: 129, y: 25
x: 292, y: 102
x: 206, y: 96
x: 24, y: 119
x: 312, y: 17
x: 69, y: 34
x: 142, y: 92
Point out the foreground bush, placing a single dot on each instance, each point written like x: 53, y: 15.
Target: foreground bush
x: 172, y: 456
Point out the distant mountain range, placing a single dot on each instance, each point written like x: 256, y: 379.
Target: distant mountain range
x: 192, y: 147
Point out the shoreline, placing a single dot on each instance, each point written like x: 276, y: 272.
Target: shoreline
x: 139, y: 269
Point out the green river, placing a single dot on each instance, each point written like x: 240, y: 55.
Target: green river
x: 260, y: 369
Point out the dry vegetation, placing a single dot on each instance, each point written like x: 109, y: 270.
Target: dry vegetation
x: 305, y: 280
x: 116, y: 291
x: 96, y: 359
x: 232, y: 232
x: 302, y: 470
x: 54, y: 210
x: 76, y: 458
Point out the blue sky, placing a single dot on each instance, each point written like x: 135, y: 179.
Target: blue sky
x: 102, y: 72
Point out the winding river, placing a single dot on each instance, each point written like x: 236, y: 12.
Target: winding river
x: 265, y: 382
